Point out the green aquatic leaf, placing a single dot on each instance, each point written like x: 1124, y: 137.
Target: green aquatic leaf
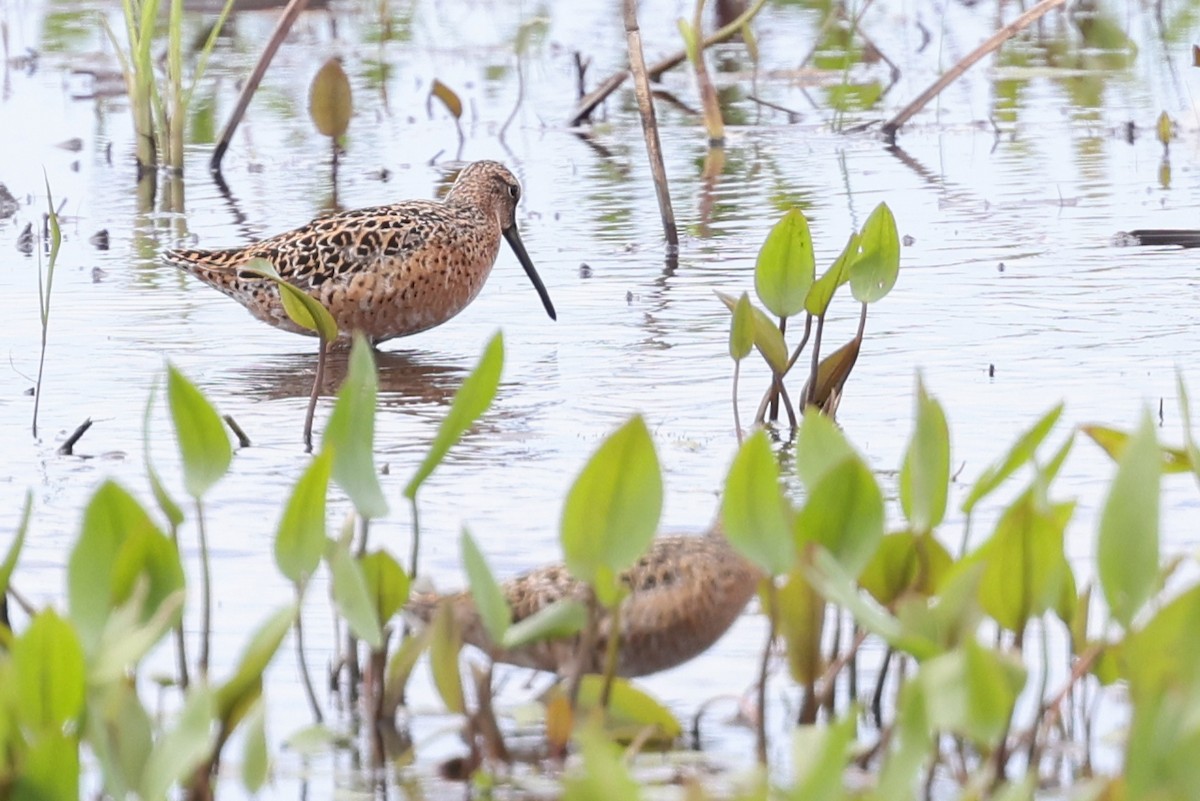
x: 470, y: 402
x: 741, y: 329
x: 49, y: 666
x: 786, y: 266
x: 330, y: 101
x: 485, y: 590
x: 300, y: 307
x: 767, y: 336
x: 1127, y: 545
x: 300, y: 538
x: 387, y: 583
x: 925, y: 473
x: 14, y: 549
x: 165, y: 502
x: 612, y: 510
x: 874, y: 272
x: 185, y: 747
x: 255, y: 758
x: 444, y: 647
x: 820, y: 446
x: 351, y: 596
x: 844, y: 513
x: 1018, y: 455
x: 755, y: 515
x: 236, y: 697
x: 820, y: 294
x: 203, y: 444
x: 350, y: 433
x: 565, y: 617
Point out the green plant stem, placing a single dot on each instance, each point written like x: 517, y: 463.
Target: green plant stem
x: 774, y: 415
x: 305, y: 678
x: 611, y: 650
x: 737, y: 422
x: 318, y: 381
x: 180, y: 640
x: 205, y: 591
x: 415, y: 550
x: 586, y: 642
x: 816, y: 364
x: 761, y: 724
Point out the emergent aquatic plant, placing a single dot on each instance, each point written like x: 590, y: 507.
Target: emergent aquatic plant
x: 786, y: 283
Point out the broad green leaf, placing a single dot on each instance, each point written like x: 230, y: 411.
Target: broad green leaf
x: 255, y: 760
x: 350, y: 433
x: 844, y: 513
x: 956, y: 615
x: 152, y: 556
x: 1127, y: 547
x: 329, y: 99
x: 48, y: 661
x: 874, y: 272
x: 470, y: 402
x: 49, y: 770
x: 910, y: 746
x: 905, y: 562
x: 185, y: 747
x: 612, y: 510
x: 351, y: 597
x: 129, y: 635
x: 448, y: 98
x: 302, y: 309
x: 1163, y: 740
x: 830, y: 579
x: 1185, y: 415
x: 110, y: 518
x: 444, y: 647
x: 820, y: 294
x: 755, y: 514
x: 14, y: 549
x: 1164, y: 655
x: 565, y: 617
x: 1019, y: 454
x: 800, y: 612
x: 300, y: 538
x: 485, y: 591
x: 387, y: 583
x: 1114, y: 443
x: 203, y: 444
x: 971, y: 691
x: 165, y: 502
x: 767, y: 337
x: 119, y: 732
x: 741, y: 329
x: 604, y: 776
x: 925, y: 473
x: 400, y: 665
x: 786, y: 267
x: 820, y: 753
x: 1024, y: 562
x: 629, y: 708
x: 236, y: 697
x: 820, y: 446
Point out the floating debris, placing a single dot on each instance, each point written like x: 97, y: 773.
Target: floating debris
x: 98, y: 274
x: 74, y: 145
x: 8, y: 203
x: 99, y: 240
x: 25, y: 240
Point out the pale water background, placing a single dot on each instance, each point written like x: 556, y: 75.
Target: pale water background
x: 1011, y: 187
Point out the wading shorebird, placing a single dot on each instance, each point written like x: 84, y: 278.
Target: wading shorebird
x: 684, y: 593
x: 387, y: 271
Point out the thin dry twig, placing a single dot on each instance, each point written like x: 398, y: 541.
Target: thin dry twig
x: 951, y: 75
x: 641, y: 80
x: 68, y: 446
x: 290, y: 13
x: 610, y: 84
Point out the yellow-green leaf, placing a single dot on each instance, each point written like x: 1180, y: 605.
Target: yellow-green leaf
x: 786, y: 266
x: 329, y: 99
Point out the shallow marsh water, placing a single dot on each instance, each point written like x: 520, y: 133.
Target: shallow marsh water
x: 1011, y: 296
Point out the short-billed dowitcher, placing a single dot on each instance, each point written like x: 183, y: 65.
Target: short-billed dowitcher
x: 684, y: 593
x: 387, y: 271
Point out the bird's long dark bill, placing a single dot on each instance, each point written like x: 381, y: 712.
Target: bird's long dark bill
x: 514, y: 241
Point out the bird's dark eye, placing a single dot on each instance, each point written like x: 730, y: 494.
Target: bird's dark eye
x: 514, y: 191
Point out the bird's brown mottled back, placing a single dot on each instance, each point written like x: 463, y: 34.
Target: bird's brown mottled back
x: 685, y: 592
x: 387, y: 271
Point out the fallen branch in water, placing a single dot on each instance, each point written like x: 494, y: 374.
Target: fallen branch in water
x: 610, y: 84
x: 68, y: 447
x: 951, y: 75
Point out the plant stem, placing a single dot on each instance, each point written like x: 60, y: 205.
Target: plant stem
x: 737, y: 422
x: 416, y: 538
x: 180, y: 641
x: 304, y: 677
x: 322, y: 349
x: 816, y: 364
x: 612, y: 647
x: 761, y: 725
x: 205, y: 591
